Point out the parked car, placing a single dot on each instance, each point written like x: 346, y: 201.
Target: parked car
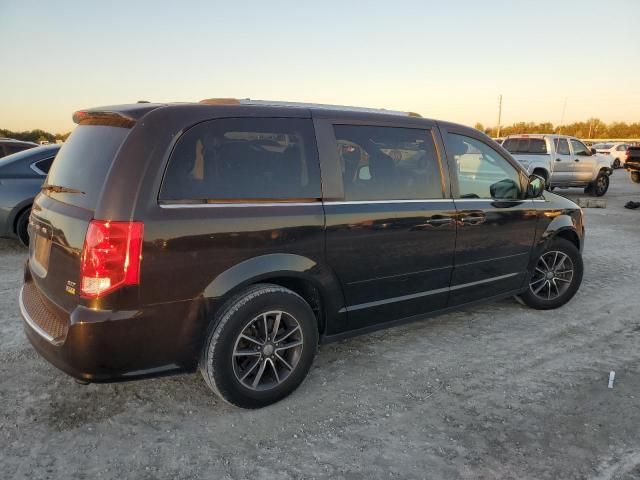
x: 562, y: 161
x: 9, y: 146
x: 237, y: 245
x: 617, y: 152
x: 632, y: 164
x: 21, y: 176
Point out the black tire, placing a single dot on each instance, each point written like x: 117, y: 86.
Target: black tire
x: 22, y: 227
x: 616, y: 163
x: 635, y: 177
x: 538, y: 301
x: 599, y: 186
x: 219, y: 362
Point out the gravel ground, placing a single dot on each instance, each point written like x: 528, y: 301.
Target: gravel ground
x: 497, y: 391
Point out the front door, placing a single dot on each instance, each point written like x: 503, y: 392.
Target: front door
x: 391, y: 235
x: 496, y: 224
x: 583, y: 161
x: 563, y: 169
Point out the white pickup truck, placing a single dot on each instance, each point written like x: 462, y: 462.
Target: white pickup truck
x: 562, y: 161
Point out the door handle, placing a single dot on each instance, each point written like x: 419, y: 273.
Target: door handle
x: 438, y: 220
x: 473, y: 219
x: 558, y: 160
x: 577, y: 160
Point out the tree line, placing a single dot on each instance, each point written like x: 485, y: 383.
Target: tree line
x: 592, y: 128
x: 36, y: 135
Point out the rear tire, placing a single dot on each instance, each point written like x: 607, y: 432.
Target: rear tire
x: 262, y: 346
x: 22, y: 227
x: 550, y: 284
x: 616, y: 163
x: 635, y: 177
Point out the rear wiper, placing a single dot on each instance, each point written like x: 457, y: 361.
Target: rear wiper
x: 59, y: 189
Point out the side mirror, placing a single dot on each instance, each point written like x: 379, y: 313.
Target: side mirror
x: 364, y: 173
x: 593, y: 151
x: 505, y: 189
x: 536, y: 186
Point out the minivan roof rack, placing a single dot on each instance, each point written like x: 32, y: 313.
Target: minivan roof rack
x: 320, y: 106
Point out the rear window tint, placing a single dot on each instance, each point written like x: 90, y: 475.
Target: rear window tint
x: 244, y: 159
x: 526, y: 145
x: 83, y: 162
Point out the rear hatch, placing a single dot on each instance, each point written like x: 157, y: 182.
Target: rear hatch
x: 62, y: 211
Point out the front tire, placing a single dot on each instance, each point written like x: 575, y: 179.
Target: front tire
x: 556, y: 277
x: 616, y: 163
x: 635, y: 177
x: 262, y: 346
x: 599, y: 186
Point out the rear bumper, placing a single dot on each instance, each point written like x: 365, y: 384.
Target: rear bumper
x: 102, y: 346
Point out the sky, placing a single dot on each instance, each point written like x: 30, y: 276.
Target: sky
x: 448, y: 60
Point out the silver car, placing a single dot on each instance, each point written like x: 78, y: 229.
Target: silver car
x: 21, y: 176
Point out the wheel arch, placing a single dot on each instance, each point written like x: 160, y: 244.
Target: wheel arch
x: 542, y: 170
x: 316, y: 284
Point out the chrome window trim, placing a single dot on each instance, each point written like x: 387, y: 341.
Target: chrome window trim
x: 334, y: 202
x: 238, y: 204
x: 366, y: 202
x: 296, y: 204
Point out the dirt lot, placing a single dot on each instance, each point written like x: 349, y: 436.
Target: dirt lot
x: 493, y: 391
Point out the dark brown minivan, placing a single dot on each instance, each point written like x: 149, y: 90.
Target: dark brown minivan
x: 234, y: 236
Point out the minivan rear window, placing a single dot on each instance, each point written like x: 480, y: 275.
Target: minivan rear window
x: 83, y: 162
x: 526, y: 145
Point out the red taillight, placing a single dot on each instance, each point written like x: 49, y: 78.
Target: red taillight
x: 110, y: 257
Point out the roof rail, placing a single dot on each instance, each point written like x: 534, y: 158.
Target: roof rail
x: 320, y: 106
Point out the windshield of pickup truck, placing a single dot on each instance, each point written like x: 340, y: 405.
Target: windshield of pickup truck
x: 526, y: 145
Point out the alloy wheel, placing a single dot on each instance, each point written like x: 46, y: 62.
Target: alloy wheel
x: 552, y: 276
x: 602, y: 183
x: 267, y: 350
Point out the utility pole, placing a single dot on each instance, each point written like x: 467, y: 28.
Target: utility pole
x: 499, y: 114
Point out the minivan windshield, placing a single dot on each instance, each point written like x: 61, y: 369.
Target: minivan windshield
x: 82, y: 164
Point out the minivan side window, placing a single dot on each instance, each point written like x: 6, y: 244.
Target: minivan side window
x: 562, y: 146
x: 244, y: 159
x: 388, y: 163
x: 482, y: 172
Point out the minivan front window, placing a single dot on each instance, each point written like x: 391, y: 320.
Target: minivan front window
x: 482, y: 172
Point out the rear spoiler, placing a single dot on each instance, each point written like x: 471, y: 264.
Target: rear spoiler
x: 112, y: 119
x: 124, y: 116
